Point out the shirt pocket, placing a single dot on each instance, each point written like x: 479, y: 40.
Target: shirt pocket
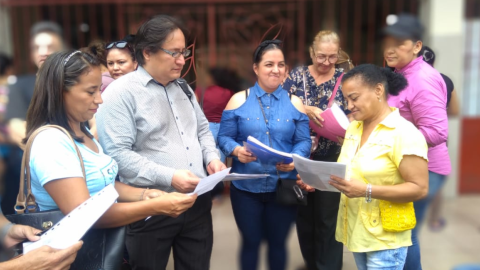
x: 379, y: 147
x: 349, y: 147
x: 370, y: 215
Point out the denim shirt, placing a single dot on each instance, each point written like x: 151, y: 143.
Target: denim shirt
x: 287, y: 126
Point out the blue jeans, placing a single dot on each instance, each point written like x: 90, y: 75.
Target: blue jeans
x: 389, y: 259
x: 259, y: 217
x: 435, y: 183
x: 214, y: 128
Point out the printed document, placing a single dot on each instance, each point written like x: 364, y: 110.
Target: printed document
x: 317, y: 173
x: 73, y: 226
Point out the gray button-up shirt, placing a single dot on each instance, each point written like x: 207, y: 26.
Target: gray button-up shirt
x: 152, y: 130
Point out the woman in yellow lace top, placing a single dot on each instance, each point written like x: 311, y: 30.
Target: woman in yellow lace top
x: 387, y: 163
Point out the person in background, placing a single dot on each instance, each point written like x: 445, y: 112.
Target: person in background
x: 117, y: 59
x: 160, y: 138
x: 6, y: 73
x: 213, y: 91
x: 220, y: 84
x: 387, y: 162
x: 45, y: 39
x: 452, y: 99
x: 120, y: 57
x: 276, y: 118
x: 43, y: 258
x: 424, y: 103
x: 97, y: 49
x: 436, y: 222
x: 6, y: 70
x: 314, y: 85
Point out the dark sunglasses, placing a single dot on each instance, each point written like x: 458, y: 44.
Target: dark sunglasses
x: 117, y: 44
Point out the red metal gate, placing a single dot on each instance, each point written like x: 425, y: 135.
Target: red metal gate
x: 225, y: 32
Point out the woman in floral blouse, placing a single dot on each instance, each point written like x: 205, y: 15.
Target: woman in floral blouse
x: 314, y: 84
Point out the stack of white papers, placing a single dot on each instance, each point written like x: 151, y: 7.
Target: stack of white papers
x: 73, y: 226
x: 208, y: 183
x: 317, y: 173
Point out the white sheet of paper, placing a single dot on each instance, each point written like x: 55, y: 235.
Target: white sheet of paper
x: 208, y: 183
x: 317, y: 173
x: 237, y: 176
x: 73, y: 226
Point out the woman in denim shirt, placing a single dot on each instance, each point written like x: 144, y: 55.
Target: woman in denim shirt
x: 257, y: 214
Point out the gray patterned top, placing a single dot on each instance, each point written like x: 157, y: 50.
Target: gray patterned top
x: 318, y: 96
x: 152, y: 130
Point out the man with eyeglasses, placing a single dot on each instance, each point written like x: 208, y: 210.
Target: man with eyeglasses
x: 160, y: 139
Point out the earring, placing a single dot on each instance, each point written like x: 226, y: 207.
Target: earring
x: 379, y: 100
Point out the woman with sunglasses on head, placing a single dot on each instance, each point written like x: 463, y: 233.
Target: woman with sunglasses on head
x: 120, y: 57
x: 314, y: 85
x: 268, y: 113
x: 424, y: 103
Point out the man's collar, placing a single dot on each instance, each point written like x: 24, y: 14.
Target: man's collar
x: 143, y: 76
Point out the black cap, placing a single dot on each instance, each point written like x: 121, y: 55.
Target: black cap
x: 407, y: 26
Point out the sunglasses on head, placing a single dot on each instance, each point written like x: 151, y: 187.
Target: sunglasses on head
x: 117, y: 44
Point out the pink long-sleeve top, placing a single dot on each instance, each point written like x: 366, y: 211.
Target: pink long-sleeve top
x: 423, y: 103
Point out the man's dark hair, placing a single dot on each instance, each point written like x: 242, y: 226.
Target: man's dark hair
x: 46, y: 27
x: 153, y: 34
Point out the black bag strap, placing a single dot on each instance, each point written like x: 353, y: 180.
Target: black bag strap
x: 184, y: 85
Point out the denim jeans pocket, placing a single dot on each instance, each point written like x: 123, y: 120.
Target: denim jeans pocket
x: 389, y: 259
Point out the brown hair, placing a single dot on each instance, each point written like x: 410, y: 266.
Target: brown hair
x: 58, y: 74
x: 324, y: 36
x: 97, y: 48
x: 344, y: 61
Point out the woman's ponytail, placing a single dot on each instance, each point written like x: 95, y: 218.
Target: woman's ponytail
x: 396, y: 82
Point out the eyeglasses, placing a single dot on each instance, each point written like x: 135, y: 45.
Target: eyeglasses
x: 332, y: 59
x: 117, y: 44
x: 185, y: 53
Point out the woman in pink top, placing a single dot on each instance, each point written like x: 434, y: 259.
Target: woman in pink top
x: 424, y: 104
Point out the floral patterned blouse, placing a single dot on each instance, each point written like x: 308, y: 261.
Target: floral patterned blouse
x: 317, y: 95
